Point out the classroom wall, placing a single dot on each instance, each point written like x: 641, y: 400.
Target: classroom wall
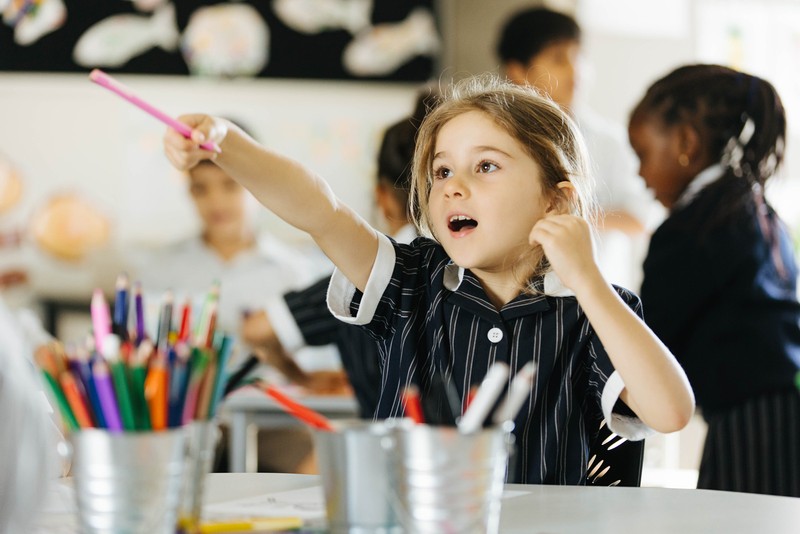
x: 66, y: 134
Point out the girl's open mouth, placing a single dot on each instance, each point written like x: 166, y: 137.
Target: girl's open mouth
x: 458, y: 223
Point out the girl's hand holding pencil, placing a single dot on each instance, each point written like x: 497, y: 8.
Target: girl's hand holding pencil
x: 184, y: 153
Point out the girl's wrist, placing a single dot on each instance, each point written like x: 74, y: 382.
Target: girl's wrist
x: 590, y: 284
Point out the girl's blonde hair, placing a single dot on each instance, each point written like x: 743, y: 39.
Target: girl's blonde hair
x: 548, y: 135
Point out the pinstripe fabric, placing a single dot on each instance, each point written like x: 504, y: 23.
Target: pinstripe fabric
x: 755, y: 447
x: 357, y: 350
x: 309, y: 311
x: 424, y: 328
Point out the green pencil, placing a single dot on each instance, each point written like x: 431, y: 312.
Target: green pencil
x: 63, y: 405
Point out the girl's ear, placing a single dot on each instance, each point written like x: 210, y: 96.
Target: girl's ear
x: 561, y: 199
x: 517, y: 72
x: 689, y: 142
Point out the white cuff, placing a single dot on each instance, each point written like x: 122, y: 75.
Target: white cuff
x: 341, y: 290
x: 629, y: 427
x: 284, y: 325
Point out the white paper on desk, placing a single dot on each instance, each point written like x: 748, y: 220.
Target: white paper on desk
x: 306, y: 503
x: 58, y: 513
x: 510, y: 494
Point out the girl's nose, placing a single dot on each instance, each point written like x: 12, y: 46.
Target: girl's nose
x: 455, y: 186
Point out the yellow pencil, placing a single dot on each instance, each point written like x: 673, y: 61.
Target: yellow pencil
x: 251, y: 525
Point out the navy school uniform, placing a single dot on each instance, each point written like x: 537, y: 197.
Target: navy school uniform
x: 431, y: 317
x: 728, y: 310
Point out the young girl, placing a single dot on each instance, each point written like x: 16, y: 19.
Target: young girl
x: 720, y: 276
x: 507, y: 274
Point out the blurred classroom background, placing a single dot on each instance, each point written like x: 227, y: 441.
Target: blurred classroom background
x: 84, y: 184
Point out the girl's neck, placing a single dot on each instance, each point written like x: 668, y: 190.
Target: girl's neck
x: 229, y: 246
x: 501, y: 288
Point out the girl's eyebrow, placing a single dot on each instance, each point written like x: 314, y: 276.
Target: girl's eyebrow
x: 478, y: 149
x: 492, y: 149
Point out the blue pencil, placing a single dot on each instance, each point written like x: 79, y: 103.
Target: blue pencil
x: 220, y: 380
x: 179, y: 374
x: 121, y: 304
x: 83, y: 368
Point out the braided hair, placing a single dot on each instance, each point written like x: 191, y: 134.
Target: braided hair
x: 741, y: 123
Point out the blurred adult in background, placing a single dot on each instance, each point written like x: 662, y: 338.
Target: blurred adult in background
x: 542, y: 48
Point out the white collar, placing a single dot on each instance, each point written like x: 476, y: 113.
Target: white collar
x: 706, y: 177
x: 553, y: 287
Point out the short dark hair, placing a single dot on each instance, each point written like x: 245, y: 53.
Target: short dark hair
x: 530, y: 31
x: 397, y: 146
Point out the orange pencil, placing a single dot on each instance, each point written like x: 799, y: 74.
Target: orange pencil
x: 75, y: 400
x: 156, y: 392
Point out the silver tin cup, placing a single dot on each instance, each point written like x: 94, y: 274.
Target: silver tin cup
x: 128, y: 482
x: 201, y: 444
x: 355, y: 465
x: 447, y: 481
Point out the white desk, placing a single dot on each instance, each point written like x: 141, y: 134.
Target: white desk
x: 252, y: 409
x: 555, y: 509
x: 571, y: 509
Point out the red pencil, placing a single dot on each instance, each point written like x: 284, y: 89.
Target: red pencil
x: 186, y: 319
x: 305, y: 414
x: 412, y: 404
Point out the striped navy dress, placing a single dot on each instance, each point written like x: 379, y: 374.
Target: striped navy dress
x: 432, y: 318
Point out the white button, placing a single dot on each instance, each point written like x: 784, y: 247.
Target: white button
x: 495, y: 335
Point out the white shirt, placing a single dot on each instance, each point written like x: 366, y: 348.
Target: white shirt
x: 247, y: 282
x: 27, y: 445
x: 617, y: 185
x: 706, y: 177
x: 618, y: 188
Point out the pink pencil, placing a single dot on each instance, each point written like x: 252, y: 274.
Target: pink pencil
x: 101, y: 319
x: 101, y: 78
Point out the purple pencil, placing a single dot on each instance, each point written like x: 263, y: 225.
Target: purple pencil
x: 105, y: 392
x: 137, y: 299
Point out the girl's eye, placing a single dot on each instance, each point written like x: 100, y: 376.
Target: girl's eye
x: 442, y: 172
x: 487, y: 166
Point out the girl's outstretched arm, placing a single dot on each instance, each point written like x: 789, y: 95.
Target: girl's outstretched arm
x: 285, y: 187
x: 656, y: 387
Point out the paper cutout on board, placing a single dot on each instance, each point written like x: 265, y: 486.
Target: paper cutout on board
x: 10, y: 185
x: 226, y: 40
x: 114, y: 41
x: 147, y: 5
x: 316, y: 16
x: 69, y: 227
x: 32, y: 19
x: 382, y: 49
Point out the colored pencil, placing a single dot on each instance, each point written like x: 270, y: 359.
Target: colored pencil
x: 104, y: 80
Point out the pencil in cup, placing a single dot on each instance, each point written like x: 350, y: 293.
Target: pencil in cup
x: 123, y: 387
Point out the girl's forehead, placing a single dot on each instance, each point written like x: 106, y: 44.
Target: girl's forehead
x: 472, y: 127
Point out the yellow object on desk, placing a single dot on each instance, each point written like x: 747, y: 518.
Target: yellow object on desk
x: 262, y: 524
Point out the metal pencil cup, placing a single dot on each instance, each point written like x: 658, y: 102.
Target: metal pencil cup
x: 202, y: 437
x: 355, y: 464
x: 450, y: 482
x: 128, y: 482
